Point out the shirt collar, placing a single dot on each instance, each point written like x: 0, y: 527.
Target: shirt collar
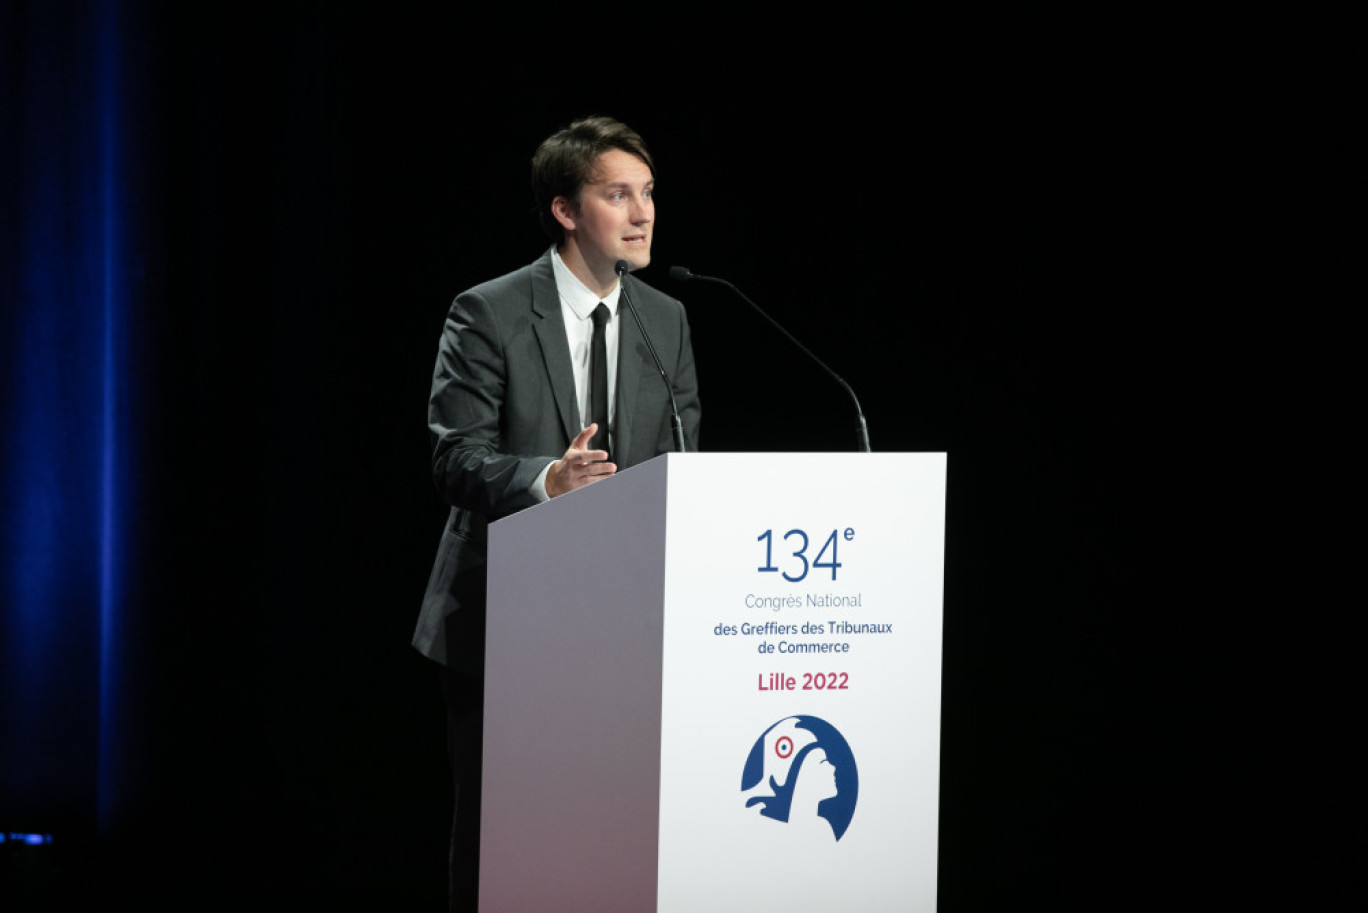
x: 576, y: 295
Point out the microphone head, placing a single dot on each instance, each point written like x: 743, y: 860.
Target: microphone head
x: 622, y: 266
x: 680, y: 273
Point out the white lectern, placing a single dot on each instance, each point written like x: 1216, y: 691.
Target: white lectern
x: 713, y: 684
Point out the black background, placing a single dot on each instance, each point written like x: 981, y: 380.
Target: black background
x: 999, y: 236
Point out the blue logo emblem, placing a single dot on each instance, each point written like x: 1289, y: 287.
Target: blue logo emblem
x: 801, y: 769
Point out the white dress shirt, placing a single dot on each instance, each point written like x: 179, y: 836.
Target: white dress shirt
x: 577, y: 306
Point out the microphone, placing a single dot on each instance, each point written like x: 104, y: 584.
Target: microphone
x: 683, y: 274
x: 676, y: 425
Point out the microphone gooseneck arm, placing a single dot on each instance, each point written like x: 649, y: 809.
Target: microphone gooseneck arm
x: 676, y: 424
x: 683, y: 274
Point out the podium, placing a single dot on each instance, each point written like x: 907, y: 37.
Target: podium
x: 713, y: 683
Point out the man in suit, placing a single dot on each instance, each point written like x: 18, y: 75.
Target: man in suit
x: 513, y: 396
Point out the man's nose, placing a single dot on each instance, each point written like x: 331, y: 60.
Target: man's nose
x: 643, y: 210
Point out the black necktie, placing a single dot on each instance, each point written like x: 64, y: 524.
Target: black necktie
x: 598, y: 378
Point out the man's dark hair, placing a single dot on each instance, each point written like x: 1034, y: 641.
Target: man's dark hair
x: 565, y: 161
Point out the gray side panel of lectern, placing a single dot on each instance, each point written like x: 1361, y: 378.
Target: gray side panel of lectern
x: 570, y: 817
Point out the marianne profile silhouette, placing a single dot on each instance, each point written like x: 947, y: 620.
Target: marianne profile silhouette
x: 801, y: 772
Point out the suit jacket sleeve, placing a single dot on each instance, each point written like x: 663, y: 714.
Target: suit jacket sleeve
x: 466, y: 415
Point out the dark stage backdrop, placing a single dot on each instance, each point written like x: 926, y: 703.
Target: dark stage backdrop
x: 963, y: 225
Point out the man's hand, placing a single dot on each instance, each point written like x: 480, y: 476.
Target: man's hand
x: 579, y: 466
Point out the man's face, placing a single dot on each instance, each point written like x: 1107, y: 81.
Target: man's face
x: 615, y: 215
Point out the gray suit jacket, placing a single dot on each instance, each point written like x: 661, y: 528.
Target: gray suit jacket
x: 503, y: 407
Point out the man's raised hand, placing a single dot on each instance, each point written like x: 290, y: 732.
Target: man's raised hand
x: 579, y: 466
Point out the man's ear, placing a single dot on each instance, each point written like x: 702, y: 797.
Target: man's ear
x: 564, y: 212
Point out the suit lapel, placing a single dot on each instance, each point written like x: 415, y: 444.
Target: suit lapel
x: 630, y: 345
x: 555, y: 345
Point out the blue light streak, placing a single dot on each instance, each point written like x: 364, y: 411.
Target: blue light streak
x: 64, y: 421
x: 112, y: 217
